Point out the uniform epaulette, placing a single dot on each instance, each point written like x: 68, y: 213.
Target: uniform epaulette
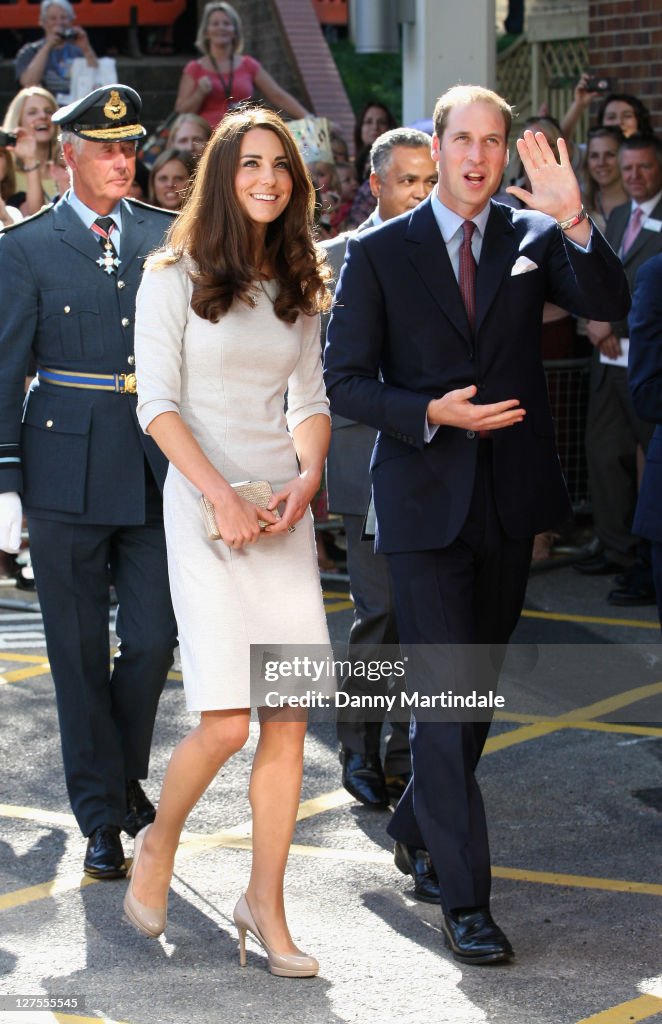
x: 148, y: 206
x: 26, y: 220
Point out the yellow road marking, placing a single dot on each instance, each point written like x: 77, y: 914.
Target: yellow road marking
x: 36, y: 814
x: 578, y: 881
x: 598, y: 620
x: 32, y: 658
x: 70, y: 1018
x: 45, y: 890
x: 574, y: 717
x: 25, y: 673
x: 637, y: 730
x: 641, y: 1008
x: 338, y: 606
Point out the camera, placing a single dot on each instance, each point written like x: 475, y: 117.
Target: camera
x: 67, y: 34
x: 8, y: 139
x: 599, y: 83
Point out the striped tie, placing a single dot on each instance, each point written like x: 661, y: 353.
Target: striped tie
x: 468, y: 272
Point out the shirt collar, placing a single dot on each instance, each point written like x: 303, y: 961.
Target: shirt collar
x: 450, y: 222
x: 647, y: 206
x: 88, y: 216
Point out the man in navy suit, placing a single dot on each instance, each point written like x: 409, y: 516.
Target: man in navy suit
x: 75, y: 460
x: 645, y: 373
x: 446, y: 304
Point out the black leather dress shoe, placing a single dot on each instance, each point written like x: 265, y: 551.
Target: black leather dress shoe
x: 364, y: 779
x: 597, y: 565
x: 104, y: 857
x: 631, y: 596
x: 417, y: 863
x: 473, y: 937
x: 140, y: 810
x: 397, y: 784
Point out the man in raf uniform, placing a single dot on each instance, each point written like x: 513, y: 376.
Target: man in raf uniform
x: 75, y: 461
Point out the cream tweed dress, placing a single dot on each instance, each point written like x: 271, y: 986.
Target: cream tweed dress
x: 228, y: 381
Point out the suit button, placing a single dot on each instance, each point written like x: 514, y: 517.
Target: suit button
x: 121, y: 284
x: 125, y: 321
x: 67, y: 309
x: 49, y: 423
x: 471, y: 434
x: 131, y: 360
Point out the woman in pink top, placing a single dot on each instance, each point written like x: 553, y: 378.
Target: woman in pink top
x: 224, y: 76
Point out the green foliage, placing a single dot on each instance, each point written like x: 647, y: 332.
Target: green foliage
x: 369, y: 75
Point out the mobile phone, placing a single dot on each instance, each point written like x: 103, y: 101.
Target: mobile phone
x: 600, y: 83
x: 8, y: 139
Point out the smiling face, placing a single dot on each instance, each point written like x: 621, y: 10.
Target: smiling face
x: 220, y: 29
x: 170, y: 184
x: 263, y: 182
x: 102, y: 172
x: 602, y: 160
x: 641, y: 173
x: 36, y: 116
x: 55, y: 19
x: 621, y: 115
x: 472, y: 156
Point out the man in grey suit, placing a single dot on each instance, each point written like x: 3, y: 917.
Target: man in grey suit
x: 74, y: 459
x: 403, y: 173
x: 614, y: 431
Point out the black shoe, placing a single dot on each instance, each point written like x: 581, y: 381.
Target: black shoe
x: 474, y: 938
x: 397, y: 784
x: 104, y: 857
x: 597, y: 565
x: 364, y: 779
x: 417, y: 863
x: 632, y: 595
x: 140, y: 810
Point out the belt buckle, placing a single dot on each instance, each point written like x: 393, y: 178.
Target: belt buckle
x: 127, y: 383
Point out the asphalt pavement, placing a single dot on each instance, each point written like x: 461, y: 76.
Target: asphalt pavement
x: 572, y: 784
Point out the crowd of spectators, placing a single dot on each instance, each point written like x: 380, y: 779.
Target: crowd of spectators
x: 33, y: 172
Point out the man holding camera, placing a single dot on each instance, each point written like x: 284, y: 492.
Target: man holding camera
x: 89, y: 480
x: 48, y: 61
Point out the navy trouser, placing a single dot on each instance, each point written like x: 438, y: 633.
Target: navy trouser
x: 106, y: 713
x: 469, y: 593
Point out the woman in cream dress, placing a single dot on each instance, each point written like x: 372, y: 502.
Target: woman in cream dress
x: 227, y: 323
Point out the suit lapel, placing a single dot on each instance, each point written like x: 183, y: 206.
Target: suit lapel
x: 643, y: 238
x: 496, y: 255
x: 133, y: 237
x: 428, y: 254
x: 73, y: 231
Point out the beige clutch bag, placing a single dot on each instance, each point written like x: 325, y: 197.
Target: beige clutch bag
x: 258, y: 492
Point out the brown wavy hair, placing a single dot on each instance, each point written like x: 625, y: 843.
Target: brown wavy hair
x: 215, y: 232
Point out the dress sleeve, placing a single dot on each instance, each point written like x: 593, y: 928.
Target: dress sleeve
x: 162, y: 309
x: 306, y: 395
x: 252, y: 66
x: 194, y: 69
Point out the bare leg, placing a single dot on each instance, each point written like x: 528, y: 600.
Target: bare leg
x: 194, y: 764
x: 274, y: 794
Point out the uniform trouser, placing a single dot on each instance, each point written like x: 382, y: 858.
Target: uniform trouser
x: 106, y: 714
x: 613, y: 431
x: 455, y: 598
x: 373, y: 632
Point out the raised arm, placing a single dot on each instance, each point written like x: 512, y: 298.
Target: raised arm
x: 278, y: 97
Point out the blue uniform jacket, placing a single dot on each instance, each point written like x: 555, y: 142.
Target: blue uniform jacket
x: 73, y: 455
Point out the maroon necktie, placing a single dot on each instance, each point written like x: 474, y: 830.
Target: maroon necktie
x: 468, y: 272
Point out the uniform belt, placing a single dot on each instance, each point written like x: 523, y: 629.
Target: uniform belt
x: 121, y: 383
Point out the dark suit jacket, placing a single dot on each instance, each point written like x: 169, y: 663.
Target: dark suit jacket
x: 348, y: 462
x: 398, y: 310
x: 645, y: 372
x: 647, y: 243
x: 76, y: 455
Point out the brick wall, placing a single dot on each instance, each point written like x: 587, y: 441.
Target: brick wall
x: 625, y: 42
x: 263, y: 39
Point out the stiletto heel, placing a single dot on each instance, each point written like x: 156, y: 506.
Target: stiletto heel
x: 241, y: 932
x: 285, y: 965
x: 151, y: 921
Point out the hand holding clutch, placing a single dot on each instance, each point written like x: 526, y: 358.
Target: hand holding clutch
x: 258, y: 492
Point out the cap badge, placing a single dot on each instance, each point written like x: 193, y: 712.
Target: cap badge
x: 115, y: 108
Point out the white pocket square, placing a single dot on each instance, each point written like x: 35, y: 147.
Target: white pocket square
x: 523, y: 265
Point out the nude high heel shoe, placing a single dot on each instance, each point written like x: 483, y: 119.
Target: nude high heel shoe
x: 285, y: 965
x: 151, y: 921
